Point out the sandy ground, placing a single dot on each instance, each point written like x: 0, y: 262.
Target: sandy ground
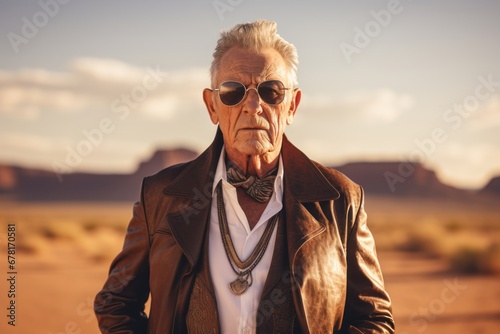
x: 427, y: 299
x: 56, y: 287
x: 55, y: 296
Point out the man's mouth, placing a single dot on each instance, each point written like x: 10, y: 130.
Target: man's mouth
x: 253, y: 128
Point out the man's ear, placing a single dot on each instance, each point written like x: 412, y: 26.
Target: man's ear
x: 294, y: 104
x: 210, y: 104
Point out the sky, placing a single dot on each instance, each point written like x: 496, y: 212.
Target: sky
x: 98, y: 86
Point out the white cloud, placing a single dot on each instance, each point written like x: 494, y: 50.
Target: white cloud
x: 35, y: 76
x: 17, y: 141
x: 180, y: 92
x: 161, y: 106
x: 27, y: 92
x: 105, y: 70
x: 27, y: 102
x: 487, y: 115
x: 94, y: 84
x: 478, y: 161
x: 383, y: 105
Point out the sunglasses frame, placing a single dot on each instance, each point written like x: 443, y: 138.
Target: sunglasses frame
x: 247, y: 89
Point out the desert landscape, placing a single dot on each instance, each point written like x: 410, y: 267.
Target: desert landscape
x: 440, y: 255
x: 403, y: 97
x: 431, y: 262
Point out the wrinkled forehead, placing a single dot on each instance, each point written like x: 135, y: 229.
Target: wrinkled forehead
x: 251, y: 67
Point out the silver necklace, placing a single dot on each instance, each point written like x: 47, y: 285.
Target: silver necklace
x: 242, y: 269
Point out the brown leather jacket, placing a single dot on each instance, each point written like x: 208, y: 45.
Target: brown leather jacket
x: 332, y: 255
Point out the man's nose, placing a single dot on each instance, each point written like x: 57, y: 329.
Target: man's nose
x: 252, y: 102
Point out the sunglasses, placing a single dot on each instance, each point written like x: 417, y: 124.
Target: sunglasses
x: 232, y: 92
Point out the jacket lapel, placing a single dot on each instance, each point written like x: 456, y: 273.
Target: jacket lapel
x: 191, y: 195
x: 279, y: 268
x: 305, y: 220
x: 301, y: 196
x: 191, y: 192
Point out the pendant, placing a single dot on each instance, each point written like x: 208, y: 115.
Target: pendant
x: 239, y: 285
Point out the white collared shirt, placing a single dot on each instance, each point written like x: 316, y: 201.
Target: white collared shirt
x: 237, y: 314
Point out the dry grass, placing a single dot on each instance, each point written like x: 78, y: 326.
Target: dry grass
x: 93, y: 231
x: 468, y: 238
x: 467, y: 249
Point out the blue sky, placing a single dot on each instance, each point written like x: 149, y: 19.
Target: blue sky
x: 381, y: 80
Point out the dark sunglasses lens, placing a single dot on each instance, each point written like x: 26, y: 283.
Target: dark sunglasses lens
x: 272, y: 92
x: 231, y: 93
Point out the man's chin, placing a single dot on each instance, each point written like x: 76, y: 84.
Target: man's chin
x: 255, y: 147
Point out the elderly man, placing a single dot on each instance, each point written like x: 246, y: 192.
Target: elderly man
x: 252, y: 236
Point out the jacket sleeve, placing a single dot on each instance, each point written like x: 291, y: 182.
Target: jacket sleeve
x: 119, y: 306
x: 368, y: 306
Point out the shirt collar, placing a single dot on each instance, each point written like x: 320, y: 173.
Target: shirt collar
x: 221, y: 174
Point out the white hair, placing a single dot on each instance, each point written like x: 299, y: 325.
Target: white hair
x: 255, y: 36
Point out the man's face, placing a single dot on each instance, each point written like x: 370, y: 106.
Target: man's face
x: 252, y: 127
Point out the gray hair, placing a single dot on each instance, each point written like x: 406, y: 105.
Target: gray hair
x: 255, y: 36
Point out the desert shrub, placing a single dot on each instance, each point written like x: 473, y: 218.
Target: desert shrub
x: 476, y: 261
x: 466, y: 249
x: 453, y: 226
x: 388, y: 236
x: 60, y: 230
x: 91, y: 225
x: 466, y: 261
x: 31, y: 244
x: 424, y: 237
x: 491, y: 260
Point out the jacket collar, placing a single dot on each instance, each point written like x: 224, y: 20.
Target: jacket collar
x: 298, y: 167
x: 191, y: 196
x: 192, y: 188
x: 200, y: 172
x: 197, y: 173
